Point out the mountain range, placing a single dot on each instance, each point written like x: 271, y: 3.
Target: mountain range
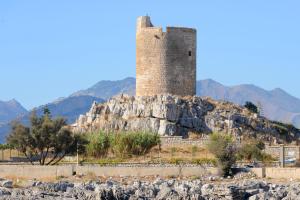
x: 275, y: 104
x: 70, y: 108
x: 10, y: 110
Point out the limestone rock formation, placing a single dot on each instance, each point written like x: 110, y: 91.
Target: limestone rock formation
x: 178, y: 116
x: 157, y: 189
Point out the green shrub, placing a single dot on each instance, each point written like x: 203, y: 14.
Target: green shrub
x: 5, y: 146
x: 267, y: 158
x: 222, y: 146
x: 173, y: 151
x: 99, y: 144
x: 194, y: 150
x: 134, y: 143
x: 252, y: 150
x: 176, y: 161
x: 251, y: 107
x: 205, y: 161
x: 107, y: 161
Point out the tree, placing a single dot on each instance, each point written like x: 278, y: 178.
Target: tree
x: 46, y: 111
x: 252, y: 150
x: 47, y: 140
x: 251, y: 106
x: 222, y: 146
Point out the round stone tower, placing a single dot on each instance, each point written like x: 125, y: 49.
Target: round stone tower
x: 165, y: 60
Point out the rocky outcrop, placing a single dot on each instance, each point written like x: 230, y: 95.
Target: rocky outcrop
x: 158, y: 189
x: 177, y: 116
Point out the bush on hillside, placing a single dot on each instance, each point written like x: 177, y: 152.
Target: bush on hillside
x: 222, y: 146
x: 134, y: 143
x: 253, y: 151
x: 99, y: 144
x: 251, y: 106
x: 121, y: 144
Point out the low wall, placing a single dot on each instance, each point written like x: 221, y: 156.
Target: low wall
x: 290, y: 151
x: 146, y: 171
x: 52, y: 172
x: 31, y: 172
x: 283, y: 173
x: 277, y: 172
x: 259, y: 172
x: 45, y: 172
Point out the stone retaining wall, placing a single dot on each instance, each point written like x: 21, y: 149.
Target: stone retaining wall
x: 178, y: 140
x: 277, y: 172
x: 283, y: 173
x: 52, y: 172
x: 163, y: 171
x: 31, y: 172
x: 290, y: 151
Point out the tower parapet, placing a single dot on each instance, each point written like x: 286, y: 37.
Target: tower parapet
x: 143, y: 22
x: 165, y: 61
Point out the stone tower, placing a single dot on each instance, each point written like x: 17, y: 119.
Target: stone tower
x: 165, y: 60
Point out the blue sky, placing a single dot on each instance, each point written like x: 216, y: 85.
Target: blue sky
x: 51, y: 48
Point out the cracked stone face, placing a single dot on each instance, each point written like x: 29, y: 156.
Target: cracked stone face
x: 172, y: 115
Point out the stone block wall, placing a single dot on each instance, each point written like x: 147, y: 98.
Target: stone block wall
x: 165, y: 61
x: 179, y: 141
x: 290, y: 151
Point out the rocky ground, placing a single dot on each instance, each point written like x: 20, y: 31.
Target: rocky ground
x: 210, y: 188
x: 177, y: 116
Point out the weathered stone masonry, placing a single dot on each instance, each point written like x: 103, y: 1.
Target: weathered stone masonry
x: 165, y: 61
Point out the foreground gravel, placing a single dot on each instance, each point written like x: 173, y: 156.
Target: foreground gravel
x: 157, y: 189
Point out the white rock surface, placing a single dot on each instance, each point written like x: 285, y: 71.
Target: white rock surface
x: 158, y: 189
x: 177, y: 116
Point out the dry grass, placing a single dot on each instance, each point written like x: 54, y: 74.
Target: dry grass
x: 186, y: 153
x: 90, y: 176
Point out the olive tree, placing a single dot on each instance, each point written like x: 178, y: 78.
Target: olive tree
x: 46, y: 140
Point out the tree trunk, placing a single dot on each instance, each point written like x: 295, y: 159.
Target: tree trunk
x: 48, y: 163
x: 59, y: 159
x: 44, y: 157
x: 28, y: 158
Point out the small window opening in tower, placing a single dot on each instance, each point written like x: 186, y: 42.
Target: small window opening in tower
x: 190, y: 53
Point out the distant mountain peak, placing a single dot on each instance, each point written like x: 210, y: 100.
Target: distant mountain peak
x: 10, y: 110
x: 107, y: 89
x: 279, y: 91
x: 14, y: 102
x: 276, y: 104
x: 210, y: 81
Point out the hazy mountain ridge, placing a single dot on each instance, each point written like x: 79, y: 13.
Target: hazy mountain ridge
x: 107, y: 89
x: 69, y: 107
x: 277, y: 104
x: 10, y: 110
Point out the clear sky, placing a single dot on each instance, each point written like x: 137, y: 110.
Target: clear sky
x: 51, y: 48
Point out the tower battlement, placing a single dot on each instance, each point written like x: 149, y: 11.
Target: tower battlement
x: 165, y: 61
